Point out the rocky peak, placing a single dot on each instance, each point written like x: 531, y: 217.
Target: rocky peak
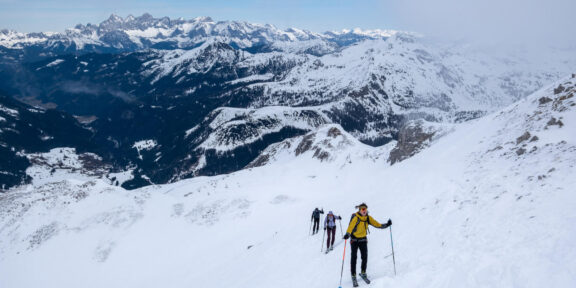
x: 145, y: 16
x: 413, y: 137
x: 203, y: 19
x: 113, y: 23
x: 323, y: 144
x: 115, y: 19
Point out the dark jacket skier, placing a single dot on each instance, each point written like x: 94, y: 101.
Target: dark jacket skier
x: 316, y: 218
x: 357, y: 231
x: 330, y: 227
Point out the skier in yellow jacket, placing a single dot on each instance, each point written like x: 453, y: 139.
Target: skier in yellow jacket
x: 357, y: 231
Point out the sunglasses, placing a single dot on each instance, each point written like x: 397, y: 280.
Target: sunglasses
x: 363, y: 209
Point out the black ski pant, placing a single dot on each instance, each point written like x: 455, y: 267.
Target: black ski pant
x: 316, y: 225
x: 361, y: 244
x: 330, y: 241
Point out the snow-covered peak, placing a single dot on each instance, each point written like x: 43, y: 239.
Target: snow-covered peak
x: 235, y: 127
x: 328, y: 143
x: 13, y: 39
x: 130, y: 18
x: 115, y: 19
x: 145, y: 31
x: 375, y: 33
x: 214, y: 51
x: 202, y: 19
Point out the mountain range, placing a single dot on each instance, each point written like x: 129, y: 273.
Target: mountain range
x: 117, y: 34
x: 164, y: 100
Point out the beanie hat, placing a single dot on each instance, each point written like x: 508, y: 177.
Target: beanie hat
x: 363, y: 205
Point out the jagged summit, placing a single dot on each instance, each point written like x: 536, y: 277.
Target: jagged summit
x: 328, y: 143
x: 145, y: 31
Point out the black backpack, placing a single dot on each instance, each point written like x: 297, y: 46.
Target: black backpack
x: 358, y: 222
x: 316, y: 214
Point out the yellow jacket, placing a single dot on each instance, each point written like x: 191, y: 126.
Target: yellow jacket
x: 362, y: 228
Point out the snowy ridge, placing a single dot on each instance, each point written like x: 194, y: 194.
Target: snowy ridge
x: 145, y: 31
x: 197, y: 60
x: 465, y: 213
x: 313, y: 47
x: 233, y: 127
x: 328, y: 143
x: 200, y: 60
x: 253, y: 78
x: 412, y: 74
x: 370, y: 33
x: 403, y: 77
x: 55, y: 62
x: 539, y: 132
x: 9, y: 112
x: 12, y: 39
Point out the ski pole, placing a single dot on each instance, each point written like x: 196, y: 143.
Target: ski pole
x: 323, y: 234
x: 310, y: 230
x: 341, y: 233
x: 342, y: 269
x: 392, y: 243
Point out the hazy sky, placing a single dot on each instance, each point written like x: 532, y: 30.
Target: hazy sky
x: 487, y: 20
x: 314, y: 15
x: 533, y: 22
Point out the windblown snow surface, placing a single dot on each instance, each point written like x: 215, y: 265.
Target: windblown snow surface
x: 491, y: 204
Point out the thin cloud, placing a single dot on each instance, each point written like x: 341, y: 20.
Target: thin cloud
x: 517, y: 22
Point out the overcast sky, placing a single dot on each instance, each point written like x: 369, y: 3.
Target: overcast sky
x: 487, y: 20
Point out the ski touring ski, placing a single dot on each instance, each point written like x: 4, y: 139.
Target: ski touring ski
x: 354, y: 281
x: 365, y: 278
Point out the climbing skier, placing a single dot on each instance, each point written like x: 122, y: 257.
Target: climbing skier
x: 357, y: 231
x: 316, y: 218
x: 330, y: 227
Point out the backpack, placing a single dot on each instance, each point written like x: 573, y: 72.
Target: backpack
x: 358, y: 222
x: 327, y: 219
x: 316, y: 214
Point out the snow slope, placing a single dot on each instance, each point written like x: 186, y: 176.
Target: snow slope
x: 485, y: 206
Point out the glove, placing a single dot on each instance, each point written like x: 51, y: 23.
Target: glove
x: 346, y: 236
x: 386, y: 225
x: 324, y: 228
